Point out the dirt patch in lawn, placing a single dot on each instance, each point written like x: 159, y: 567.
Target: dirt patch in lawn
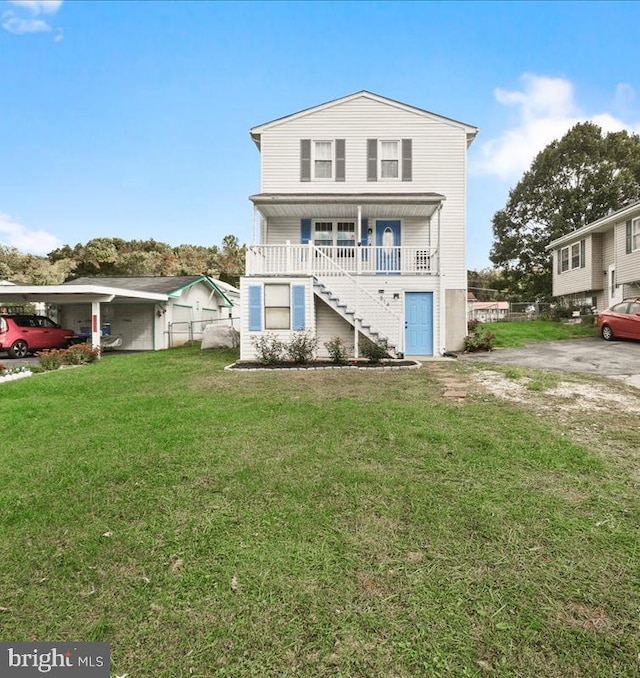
x: 568, y: 396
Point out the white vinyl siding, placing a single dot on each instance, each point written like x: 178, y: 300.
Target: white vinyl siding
x: 627, y: 264
x: 330, y: 325
x: 439, y: 152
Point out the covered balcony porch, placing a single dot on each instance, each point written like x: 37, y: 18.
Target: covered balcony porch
x: 354, y: 234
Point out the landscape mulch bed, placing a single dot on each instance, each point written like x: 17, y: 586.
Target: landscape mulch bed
x: 324, y: 364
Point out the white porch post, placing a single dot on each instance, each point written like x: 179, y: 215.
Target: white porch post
x: 96, y: 324
x: 359, y: 243
x: 441, y: 288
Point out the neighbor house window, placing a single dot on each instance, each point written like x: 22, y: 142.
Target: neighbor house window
x: 572, y: 257
x: 389, y: 159
x: 575, y: 255
x: 635, y: 235
x: 323, y: 159
x: 277, y: 307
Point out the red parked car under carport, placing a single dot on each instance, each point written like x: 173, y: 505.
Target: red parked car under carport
x: 621, y: 321
x: 23, y: 334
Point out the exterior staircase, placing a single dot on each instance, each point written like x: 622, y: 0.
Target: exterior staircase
x: 361, y: 310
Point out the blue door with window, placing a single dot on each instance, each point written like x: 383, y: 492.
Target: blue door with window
x: 418, y: 323
x: 388, y: 244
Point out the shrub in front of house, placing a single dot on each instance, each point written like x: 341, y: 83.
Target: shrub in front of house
x: 51, y: 359
x: 479, y: 339
x: 374, y: 351
x: 78, y: 354
x: 338, y: 351
x: 269, y: 349
x: 301, y: 348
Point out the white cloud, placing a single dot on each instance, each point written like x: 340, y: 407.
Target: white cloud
x: 21, y: 19
x: 15, y: 234
x: 38, y: 6
x: 546, y: 109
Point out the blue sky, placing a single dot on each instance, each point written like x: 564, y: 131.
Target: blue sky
x: 131, y: 119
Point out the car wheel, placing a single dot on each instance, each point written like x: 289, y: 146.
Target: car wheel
x: 19, y: 349
x: 607, y: 332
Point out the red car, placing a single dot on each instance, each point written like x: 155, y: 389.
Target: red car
x: 621, y: 321
x: 22, y: 334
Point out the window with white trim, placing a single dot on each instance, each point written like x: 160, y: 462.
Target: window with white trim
x: 572, y: 257
x: 389, y: 155
x: 334, y: 233
x: 635, y: 235
x: 322, y: 159
x: 277, y: 307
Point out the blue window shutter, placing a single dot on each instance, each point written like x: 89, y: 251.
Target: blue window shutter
x: 407, y: 160
x: 583, y: 254
x: 305, y: 231
x: 559, y: 261
x: 628, y: 237
x: 255, y: 308
x: 365, y: 232
x: 298, y: 293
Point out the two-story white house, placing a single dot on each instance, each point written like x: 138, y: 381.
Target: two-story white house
x: 360, y: 222
x: 599, y: 264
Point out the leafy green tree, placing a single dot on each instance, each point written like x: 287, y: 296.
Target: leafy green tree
x: 487, y: 284
x: 572, y: 182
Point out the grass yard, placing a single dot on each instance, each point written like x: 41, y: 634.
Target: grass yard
x: 515, y: 334
x: 331, y: 523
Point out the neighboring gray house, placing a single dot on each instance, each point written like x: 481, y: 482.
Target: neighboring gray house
x: 599, y: 264
x: 361, y: 223
x: 147, y: 313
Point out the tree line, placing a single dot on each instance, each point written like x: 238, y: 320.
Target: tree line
x: 115, y: 256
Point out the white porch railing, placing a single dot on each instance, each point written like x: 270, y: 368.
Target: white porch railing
x: 318, y: 261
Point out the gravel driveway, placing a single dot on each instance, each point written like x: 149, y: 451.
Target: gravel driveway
x: 591, y: 355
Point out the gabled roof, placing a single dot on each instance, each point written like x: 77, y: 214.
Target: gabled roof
x: 597, y: 226
x: 257, y: 131
x: 171, y: 285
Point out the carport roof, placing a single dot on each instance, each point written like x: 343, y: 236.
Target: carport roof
x: 108, y: 288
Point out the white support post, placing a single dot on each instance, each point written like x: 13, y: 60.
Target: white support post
x: 359, y: 247
x: 356, y: 322
x: 441, y: 288
x: 96, y: 324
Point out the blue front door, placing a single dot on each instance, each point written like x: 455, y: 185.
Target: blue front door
x: 388, y: 243
x: 418, y: 323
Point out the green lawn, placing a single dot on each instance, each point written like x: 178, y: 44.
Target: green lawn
x: 514, y: 334
x: 332, y: 523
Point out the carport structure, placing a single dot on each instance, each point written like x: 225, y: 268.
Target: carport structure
x: 140, y: 308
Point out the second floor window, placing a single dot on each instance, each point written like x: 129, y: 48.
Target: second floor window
x: 322, y: 159
x: 389, y: 159
x: 572, y: 257
x: 635, y: 235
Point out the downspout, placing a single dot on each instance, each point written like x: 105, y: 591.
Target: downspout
x: 356, y: 351
x: 440, y: 287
